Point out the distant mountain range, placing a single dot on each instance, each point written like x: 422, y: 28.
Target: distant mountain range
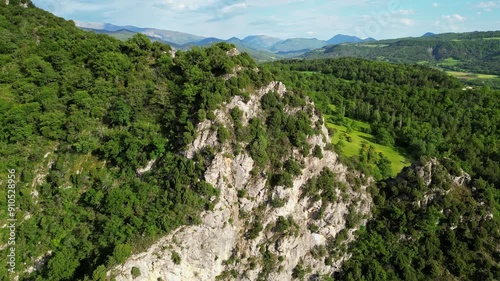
x: 340, y: 38
x: 121, y: 32
x: 261, y: 47
x: 473, y: 51
x: 477, y: 52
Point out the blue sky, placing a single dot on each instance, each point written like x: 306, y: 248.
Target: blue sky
x: 320, y: 19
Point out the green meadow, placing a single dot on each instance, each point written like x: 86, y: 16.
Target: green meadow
x: 468, y: 75
x: 357, y: 137
x: 449, y: 62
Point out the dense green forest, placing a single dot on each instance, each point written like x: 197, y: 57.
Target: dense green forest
x: 437, y: 230
x: 82, y: 113
x: 85, y: 111
x: 426, y: 113
x: 422, y: 110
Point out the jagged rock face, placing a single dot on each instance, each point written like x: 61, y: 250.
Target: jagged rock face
x: 220, y: 246
x: 426, y: 173
x: 233, y: 52
x: 251, y: 109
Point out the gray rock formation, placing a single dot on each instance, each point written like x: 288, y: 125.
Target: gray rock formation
x: 220, y: 247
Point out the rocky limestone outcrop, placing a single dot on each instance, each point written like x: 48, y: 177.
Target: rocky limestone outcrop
x: 220, y: 247
x: 426, y: 173
x: 141, y: 171
x: 233, y: 52
x: 251, y: 109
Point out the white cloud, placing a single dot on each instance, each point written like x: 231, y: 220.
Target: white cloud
x: 64, y: 7
x: 435, y: 4
x: 452, y: 22
x: 454, y: 18
x: 486, y: 4
x: 282, y: 3
x: 234, y: 7
x: 406, y: 12
x: 406, y: 21
x: 180, y: 5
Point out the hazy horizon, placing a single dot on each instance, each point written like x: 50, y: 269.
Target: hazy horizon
x: 286, y: 18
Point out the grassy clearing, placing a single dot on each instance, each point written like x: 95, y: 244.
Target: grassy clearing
x: 477, y: 79
x: 468, y: 75
x: 462, y: 75
x: 486, y: 76
x: 449, y: 62
x: 399, y: 161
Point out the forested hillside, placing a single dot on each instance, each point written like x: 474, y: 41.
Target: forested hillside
x: 431, y: 222
x: 476, y: 52
x: 99, y: 134
x: 417, y: 108
x: 80, y: 114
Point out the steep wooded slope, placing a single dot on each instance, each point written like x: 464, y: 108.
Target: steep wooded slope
x: 283, y: 213
x: 124, y: 148
x: 80, y: 115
